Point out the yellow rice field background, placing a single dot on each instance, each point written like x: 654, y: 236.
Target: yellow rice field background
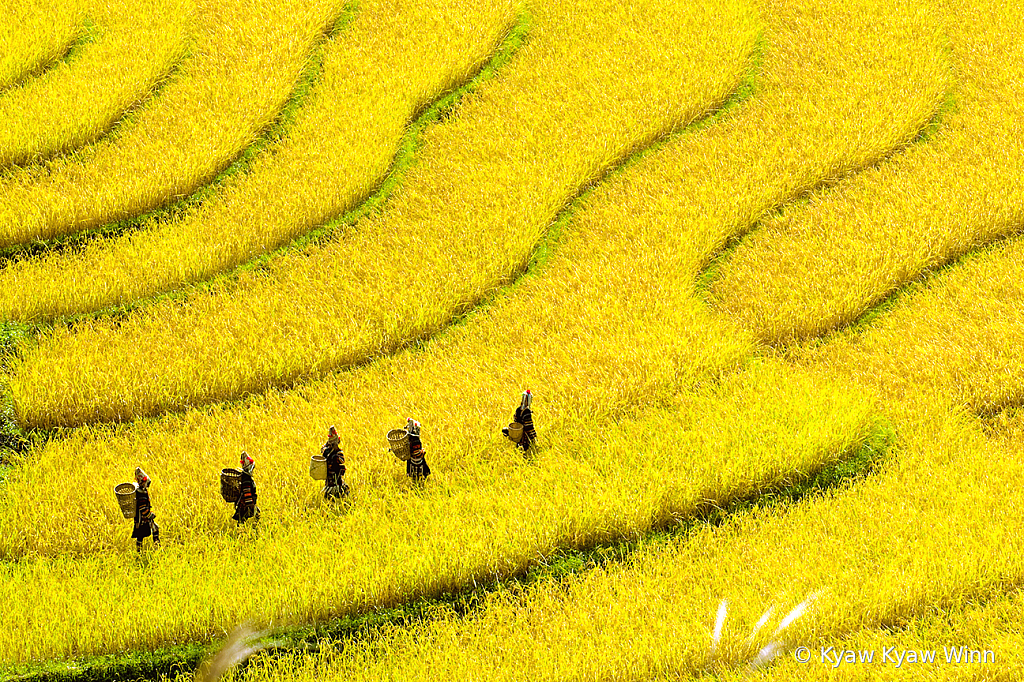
x: 757, y: 260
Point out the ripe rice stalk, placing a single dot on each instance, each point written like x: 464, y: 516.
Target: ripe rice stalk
x: 278, y: 320
x: 896, y: 547
x: 223, y: 96
x: 825, y: 263
x: 134, y: 48
x: 884, y: 549
x: 981, y: 641
x: 607, y: 388
x: 958, y: 332
x: 877, y: 546
x: 33, y: 37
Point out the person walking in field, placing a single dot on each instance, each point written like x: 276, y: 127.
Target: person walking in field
x: 334, y: 486
x: 524, y: 416
x: 245, y: 506
x: 416, y: 466
x: 145, y: 520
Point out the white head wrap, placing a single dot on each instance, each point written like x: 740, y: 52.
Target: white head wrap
x: 527, y: 400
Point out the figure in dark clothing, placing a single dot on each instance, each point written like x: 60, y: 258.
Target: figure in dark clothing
x: 145, y: 519
x: 524, y: 416
x: 245, y: 506
x: 334, y: 486
x: 416, y: 466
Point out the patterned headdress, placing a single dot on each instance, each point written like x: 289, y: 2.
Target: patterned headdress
x: 141, y: 478
x: 412, y: 426
x: 248, y: 463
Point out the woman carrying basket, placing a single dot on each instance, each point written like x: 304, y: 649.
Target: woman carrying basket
x: 334, y: 486
x: 145, y: 519
x: 524, y: 417
x: 245, y: 506
x: 416, y: 466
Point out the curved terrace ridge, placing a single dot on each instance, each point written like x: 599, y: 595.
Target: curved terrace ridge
x: 116, y: 70
x: 179, y: 143
x: 34, y: 39
x: 826, y: 263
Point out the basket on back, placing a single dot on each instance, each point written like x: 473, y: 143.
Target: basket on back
x: 515, y: 432
x: 230, y: 480
x: 125, y: 494
x: 318, y: 468
x: 398, y: 441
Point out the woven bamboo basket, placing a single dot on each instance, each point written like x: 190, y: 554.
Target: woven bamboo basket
x: 229, y: 484
x: 125, y: 493
x: 398, y: 441
x: 515, y: 432
x: 318, y: 468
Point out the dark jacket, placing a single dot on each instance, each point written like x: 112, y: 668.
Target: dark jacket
x: 245, y: 507
x: 525, y: 417
x: 416, y: 465
x: 143, y: 515
x: 335, y: 459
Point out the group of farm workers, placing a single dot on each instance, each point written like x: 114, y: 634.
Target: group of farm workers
x: 522, y: 432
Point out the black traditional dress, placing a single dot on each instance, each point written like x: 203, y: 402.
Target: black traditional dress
x: 245, y: 506
x: 145, y: 519
x: 524, y: 416
x: 416, y: 466
x: 143, y: 515
x: 334, y: 486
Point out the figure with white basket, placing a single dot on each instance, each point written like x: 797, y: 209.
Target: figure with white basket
x: 144, y: 524
x: 521, y: 431
x: 334, y: 485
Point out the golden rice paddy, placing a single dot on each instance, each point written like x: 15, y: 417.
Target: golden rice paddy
x: 756, y: 259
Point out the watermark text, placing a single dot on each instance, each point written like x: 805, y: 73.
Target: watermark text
x: 893, y: 656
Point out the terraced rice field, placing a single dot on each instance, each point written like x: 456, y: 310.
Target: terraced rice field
x: 758, y: 260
